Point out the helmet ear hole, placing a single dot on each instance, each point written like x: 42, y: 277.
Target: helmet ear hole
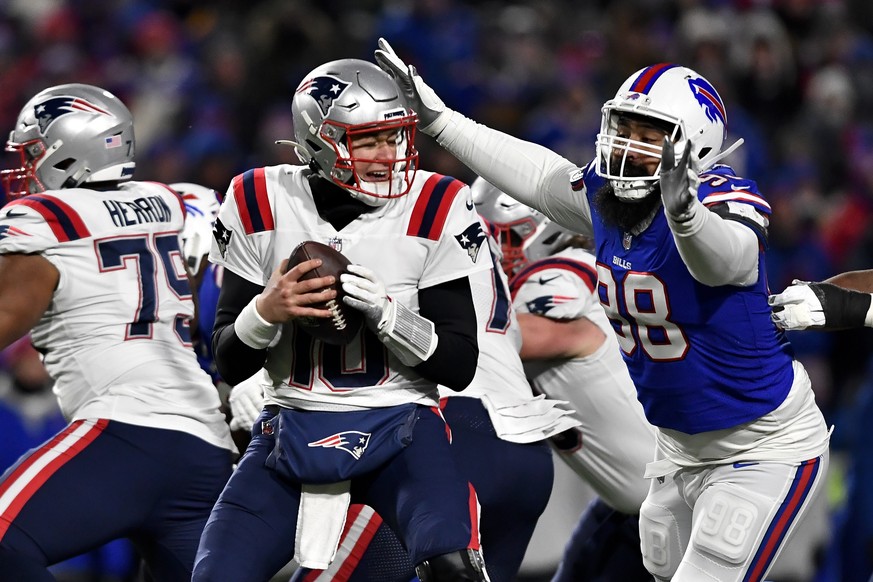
x: 704, y: 152
x: 65, y: 163
x: 313, y: 145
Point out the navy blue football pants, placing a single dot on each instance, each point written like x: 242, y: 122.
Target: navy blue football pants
x: 100, y: 480
x: 513, y: 482
x: 419, y: 492
x: 604, y: 547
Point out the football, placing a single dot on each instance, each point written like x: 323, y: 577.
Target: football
x: 344, y: 324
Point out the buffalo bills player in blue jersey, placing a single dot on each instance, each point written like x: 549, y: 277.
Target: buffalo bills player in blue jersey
x: 679, y: 241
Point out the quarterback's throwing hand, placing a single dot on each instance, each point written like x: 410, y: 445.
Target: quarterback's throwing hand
x: 366, y: 293
x: 408, y: 335
x: 679, y: 182
x: 418, y: 95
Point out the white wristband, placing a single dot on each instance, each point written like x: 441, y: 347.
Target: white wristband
x: 252, y: 329
x: 868, y: 320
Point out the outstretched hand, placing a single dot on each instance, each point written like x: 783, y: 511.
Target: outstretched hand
x: 679, y: 182
x: 418, y: 95
x: 821, y: 305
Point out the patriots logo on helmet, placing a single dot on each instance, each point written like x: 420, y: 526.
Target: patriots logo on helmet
x: 351, y: 441
x: 472, y: 239
x: 51, y: 109
x: 325, y: 90
x: 708, y: 98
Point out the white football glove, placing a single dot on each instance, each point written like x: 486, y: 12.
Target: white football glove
x: 821, y: 306
x: 409, y: 336
x: 432, y: 112
x: 246, y: 403
x: 679, y: 182
x: 798, y: 307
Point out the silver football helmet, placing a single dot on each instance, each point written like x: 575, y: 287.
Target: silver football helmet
x: 674, y: 98
x: 344, y: 100
x: 69, y: 135
x: 524, y: 234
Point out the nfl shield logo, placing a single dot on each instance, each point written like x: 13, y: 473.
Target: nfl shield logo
x: 336, y: 244
x: 626, y: 241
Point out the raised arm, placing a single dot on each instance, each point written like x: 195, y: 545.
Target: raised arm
x: 528, y: 172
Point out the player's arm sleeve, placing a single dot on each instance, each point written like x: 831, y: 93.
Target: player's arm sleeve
x: 235, y: 360
x: 450, y: 307
x: 530, y: 173
x: 717, y: 251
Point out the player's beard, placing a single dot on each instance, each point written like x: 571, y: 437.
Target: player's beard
x: 624, y: 214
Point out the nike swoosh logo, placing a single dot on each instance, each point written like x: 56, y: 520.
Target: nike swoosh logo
x: 743, y: 465
x: 738, y: 188
x: 11, y: 214
x: 469, y: 205
x: 543, y: 280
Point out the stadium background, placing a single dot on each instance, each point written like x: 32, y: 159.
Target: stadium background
x: 210, y: 82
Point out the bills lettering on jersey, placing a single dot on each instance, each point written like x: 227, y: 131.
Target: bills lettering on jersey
x: 472, y: 239
x: 222, y: 236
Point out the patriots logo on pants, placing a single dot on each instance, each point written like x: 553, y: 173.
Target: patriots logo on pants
x: 325, y: 90
x: 49, y: 110
x: 472, y: 239
x: 351, y: 441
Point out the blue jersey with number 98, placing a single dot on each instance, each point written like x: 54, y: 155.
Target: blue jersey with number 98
x: 702, y: 358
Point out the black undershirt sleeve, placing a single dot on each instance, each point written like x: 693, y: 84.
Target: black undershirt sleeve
x: 450, y: 307
x: 235, y: 360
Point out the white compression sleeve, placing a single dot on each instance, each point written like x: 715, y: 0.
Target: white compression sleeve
x: 716, y: 251
x: 530, y: 173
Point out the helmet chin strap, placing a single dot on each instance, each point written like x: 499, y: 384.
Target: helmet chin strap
x: 301, y: 152
x: 710, y: 161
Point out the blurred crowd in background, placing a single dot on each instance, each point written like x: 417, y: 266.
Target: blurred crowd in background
x: 209, y: 83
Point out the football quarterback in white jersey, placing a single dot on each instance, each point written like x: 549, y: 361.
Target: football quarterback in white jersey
x: 499, y: 431
x: 91, y: 261
x: 357, y: 422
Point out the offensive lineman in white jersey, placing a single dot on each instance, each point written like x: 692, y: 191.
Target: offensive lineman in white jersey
x: 91, y: 261
x: 498, y: 441
x: 358, y: 422
x: 570, y: 353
